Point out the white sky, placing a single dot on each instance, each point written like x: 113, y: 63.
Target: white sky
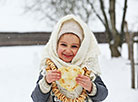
x: 13, y: 19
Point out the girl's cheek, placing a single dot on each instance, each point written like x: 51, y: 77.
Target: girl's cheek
x: 59, y: 51
x: 75, y: 52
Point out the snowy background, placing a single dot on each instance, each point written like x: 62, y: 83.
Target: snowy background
x: 19, y: 65
x: 19, y: 69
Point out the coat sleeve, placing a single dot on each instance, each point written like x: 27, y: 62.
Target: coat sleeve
x: 37, y: 95
x: 102, y: 91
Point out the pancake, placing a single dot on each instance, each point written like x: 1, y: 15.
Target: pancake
x: 68, y: 77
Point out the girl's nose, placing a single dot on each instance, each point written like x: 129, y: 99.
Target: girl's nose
x: 68, y: 51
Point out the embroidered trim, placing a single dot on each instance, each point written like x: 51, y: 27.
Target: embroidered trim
x: 58, y: 94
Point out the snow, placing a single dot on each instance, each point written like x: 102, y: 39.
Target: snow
x: 19, y: 70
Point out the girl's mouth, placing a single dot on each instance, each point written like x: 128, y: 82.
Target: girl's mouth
x: 67, y: 55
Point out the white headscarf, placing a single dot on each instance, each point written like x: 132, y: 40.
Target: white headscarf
x: 87, y: 55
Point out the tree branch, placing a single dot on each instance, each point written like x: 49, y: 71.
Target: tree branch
x: 93, y: 8
x: 112, y: 15
x: 104, y: 14
x: 124, y: 15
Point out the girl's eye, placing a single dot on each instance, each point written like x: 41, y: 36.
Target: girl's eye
x: 74, y: 46
x: 63, y: 44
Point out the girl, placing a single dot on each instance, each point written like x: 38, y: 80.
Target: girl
x: 71, y: 43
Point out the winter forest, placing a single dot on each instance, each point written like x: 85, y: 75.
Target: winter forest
x: 117, y: 20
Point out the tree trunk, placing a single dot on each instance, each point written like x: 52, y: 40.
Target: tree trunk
x: 123, y: 21
x: 132, y: 62
x: 114, y: 46
x: 116, y: 41
x: 114, y: 51
x: 127, y: 38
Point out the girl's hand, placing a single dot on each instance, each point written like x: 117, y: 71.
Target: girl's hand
x: 53, y: 75
x: 85, y: 82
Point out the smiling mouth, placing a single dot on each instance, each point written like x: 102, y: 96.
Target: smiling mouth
x: 67, y: 55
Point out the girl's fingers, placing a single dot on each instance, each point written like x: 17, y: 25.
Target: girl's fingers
x: 56, y: 77
x: 84, y: 82
x: 56, y: 71
x: 80, y: 80
x: 52, y: 78
x: 85, y: 85
x: 53, y: 75
x: 83, y: 77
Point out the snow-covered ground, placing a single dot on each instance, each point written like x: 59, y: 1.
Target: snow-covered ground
x: 19, y: 69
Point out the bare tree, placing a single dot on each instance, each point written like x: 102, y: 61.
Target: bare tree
x: 115, y: 37
x: 53, y: 9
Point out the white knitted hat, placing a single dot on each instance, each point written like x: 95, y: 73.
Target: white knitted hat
x: 71, y: 26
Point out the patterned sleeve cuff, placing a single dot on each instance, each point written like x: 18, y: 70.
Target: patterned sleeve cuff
x: 94, y: 90
x: 44, y: 86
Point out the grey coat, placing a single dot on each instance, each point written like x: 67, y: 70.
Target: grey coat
x: 102, y: 92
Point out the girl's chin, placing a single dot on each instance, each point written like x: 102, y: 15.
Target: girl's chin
x: 67, y: 60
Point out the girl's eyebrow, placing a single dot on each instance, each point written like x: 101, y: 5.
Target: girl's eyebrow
x: 72, y: 43
x: 76, y: 44
x: 62, y: 41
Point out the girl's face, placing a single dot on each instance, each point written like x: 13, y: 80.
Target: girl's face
x: 67, y: 47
